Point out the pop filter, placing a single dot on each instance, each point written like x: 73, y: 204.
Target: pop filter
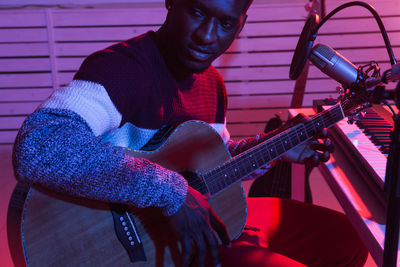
x: 304, y: 45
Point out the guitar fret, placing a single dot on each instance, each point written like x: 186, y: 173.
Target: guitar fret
x: 302, y: 134
x: 279, y: 145
x: 319, y: 124
x: 310, y: 129
x: 295, y: 140
x: 249, y: 165
x: 261, y: 157
x: 272, y: 151
x: 287, y: 144
x: 266, y: 156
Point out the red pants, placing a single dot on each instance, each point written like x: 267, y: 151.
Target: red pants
x: 282, y: 232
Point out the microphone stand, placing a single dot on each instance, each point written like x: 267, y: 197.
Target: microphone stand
x: 392, y: 188
x: 392, y: 179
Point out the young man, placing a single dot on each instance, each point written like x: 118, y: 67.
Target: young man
x: 122, y: 95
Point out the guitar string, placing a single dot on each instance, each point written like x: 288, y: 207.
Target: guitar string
x: 309, y: 126
x: 218, y: 180
x: 215, y: 180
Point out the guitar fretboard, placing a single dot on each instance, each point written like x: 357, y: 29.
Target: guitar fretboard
x: 245, y: 163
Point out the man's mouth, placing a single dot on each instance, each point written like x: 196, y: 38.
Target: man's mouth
x: 200, y: 55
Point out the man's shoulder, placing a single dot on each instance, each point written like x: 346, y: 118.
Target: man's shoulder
x: 130, y: 48
x: 117, y: 61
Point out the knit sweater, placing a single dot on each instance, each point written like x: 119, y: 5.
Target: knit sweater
x: 120, y: 97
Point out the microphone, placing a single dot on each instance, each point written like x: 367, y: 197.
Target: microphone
x: 342, y: 70
x: 339, y: 68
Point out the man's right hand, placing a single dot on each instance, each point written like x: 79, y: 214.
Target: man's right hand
x: 194, y: 223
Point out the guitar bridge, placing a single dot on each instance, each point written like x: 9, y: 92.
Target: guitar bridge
x: 127, y: 233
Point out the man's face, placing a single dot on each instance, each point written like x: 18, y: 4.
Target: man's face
x: 201, y: 30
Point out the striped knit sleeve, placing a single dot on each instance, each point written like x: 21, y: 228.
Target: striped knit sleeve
x: 57, y: 148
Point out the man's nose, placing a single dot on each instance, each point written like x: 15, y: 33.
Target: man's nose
x: 207, y: 31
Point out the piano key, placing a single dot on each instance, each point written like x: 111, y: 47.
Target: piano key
x: 369, y: 140
x: 365, y: 149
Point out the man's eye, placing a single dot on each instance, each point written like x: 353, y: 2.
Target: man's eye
x: 227, y: 25
x: 197, y: 12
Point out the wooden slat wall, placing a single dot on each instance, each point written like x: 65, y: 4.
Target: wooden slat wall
x: 40, y: 50
x: 25, y: 69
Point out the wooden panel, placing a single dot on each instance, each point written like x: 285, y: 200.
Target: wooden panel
x: 38, y: 94
x: 282, y: 87
x: 25, y: 80
x: 358, y: 40
x: 276, y: 12
x: 275, y: 101
x: 226, y: 60
x: 255, y: 115
x: 263, y: 73
x: 22, y: 18
x: 358, y: 25
x: 99, y: 33
x: 109, y: 16
x: 349, y: 25
x: 23, y: 35
x: 79, y: 49
x: 264, y: 44
x: 384, y: 8
x: 254, y: 59
x: 11, y: 123
x: 24, y: 64
x: 24, y: 50
x: 18, y: 108
x: 274, y: 28
x: 245, y: 130
x: 269, y: 73
x: 259, y: 87
x: 357, y: 56
x: 7, y: 137
x: 69, y: 63
x: 65, y: 77
x: 373, y: 40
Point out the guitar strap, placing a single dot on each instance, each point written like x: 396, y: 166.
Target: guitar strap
x: 159, y: 137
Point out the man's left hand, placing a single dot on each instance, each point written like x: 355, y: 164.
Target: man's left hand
x: 312, y: 152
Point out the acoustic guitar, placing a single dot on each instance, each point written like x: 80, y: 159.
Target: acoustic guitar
x: 51, y: 229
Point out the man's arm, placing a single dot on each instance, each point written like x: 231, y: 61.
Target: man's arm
x: 57, y: 148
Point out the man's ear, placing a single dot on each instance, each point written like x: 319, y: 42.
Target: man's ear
x: 244, y: 22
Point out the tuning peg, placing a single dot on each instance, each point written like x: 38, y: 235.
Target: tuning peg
x: 350, y: 120
x: 340, y: 89
x: 357, y: 116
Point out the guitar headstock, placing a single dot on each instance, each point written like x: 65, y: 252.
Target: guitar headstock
x: 354, y: 102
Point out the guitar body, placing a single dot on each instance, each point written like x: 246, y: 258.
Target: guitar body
x: 50, y: 229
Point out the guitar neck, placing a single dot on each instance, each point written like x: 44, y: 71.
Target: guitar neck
x: 245, y: 163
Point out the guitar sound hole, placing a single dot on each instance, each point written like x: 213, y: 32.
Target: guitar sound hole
x: 195, y: 181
